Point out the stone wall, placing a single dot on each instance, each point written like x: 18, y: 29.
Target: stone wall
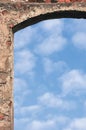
x: 15, y: 15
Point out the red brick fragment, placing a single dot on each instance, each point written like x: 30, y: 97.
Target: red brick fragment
x: 9, y: 43
x: 67, y: 1
x: 47, y: 1
x: 1, y: 116
x: 11, y: 25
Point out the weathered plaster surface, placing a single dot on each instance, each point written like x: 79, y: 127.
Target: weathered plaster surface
x: 12, y: 14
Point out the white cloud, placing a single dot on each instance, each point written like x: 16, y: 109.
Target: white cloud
x: 53, y: 40
x: 72, y: 26
x: 21, y: 123
x: 24, y: 62
x: 30, y: 110
x: 77, y: 124
x: 51, y: 44
x: 84, y: 105
x: 41, y: 125
x: 51, y: 66
x: 79, y: 25
x: 73, y: 81
x: 20, y: 85
x: 50, y: 100
x: 18, y: 100
x: 49, y: 124
x: 53, y: 101
x: 23, y: 38
x: 50, y: 25
x: 21, y: 88
x: 25, y: 116
x: 79, y: 40
x: 35, y: 124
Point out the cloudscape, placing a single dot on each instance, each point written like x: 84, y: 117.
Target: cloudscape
x: 50, y: 76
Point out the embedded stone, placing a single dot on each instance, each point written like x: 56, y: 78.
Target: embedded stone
x: 8, y: 43
x: 5, y: 12
x: 1, y: 116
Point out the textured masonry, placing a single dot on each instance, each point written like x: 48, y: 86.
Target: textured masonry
x: 15, y: 15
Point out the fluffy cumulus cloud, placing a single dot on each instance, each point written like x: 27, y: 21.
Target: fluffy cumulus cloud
x: 79, y: 40
x: 65, y: 123
x: 79, y: 25
x: 53, y: 101
x: 52, y: 25
x: 31, y: 110
x: 20, y: 85
x: 51, y: 66
x: 76, y: 31
x: 21, y: 89
x: 51, y: 44
x: 53, y: 41
x: 85, y: 104
x: 23, y: 39
x: 41, y: 125
x: 21, y: 123
x: 25, y: 62
x: 77, y: 124
x: 48, y: 124
x: 43, y: 111
x: 73, y: 81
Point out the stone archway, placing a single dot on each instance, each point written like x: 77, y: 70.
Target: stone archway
x: 13, y: 17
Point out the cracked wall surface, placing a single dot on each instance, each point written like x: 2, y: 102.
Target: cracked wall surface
x: 15, y: 15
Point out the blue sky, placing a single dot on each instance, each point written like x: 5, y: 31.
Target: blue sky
x: 50, y: 76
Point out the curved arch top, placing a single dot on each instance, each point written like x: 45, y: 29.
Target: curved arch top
x: 29, y: 14
x: 52, y: 15
x: 22, y: 14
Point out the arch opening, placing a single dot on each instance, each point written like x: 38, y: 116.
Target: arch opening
x: 72, y: 76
